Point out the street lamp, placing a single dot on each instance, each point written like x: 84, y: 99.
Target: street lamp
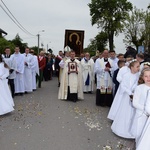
x: 38, y: 35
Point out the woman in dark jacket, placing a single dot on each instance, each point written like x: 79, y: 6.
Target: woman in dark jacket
x: 48, y: 68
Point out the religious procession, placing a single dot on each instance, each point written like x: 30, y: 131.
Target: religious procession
x: 121, y: 82
x: 75, y: 75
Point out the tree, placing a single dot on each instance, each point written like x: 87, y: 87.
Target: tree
x: 147, y: 29
x: 135, y: 28
x: 91, y: 48
x: 101, y: 41
x: 98, y: 43
x: 18, y: 42
x: 4, y: 43
x: 110, y: 16
x: 35, y: 48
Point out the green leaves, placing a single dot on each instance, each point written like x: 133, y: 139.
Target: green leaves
x: 4, y: 43
x: 137, y: 28
x: 16, y: 41
x: 109, y: 15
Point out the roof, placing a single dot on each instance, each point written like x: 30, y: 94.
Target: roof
x: 2, y: 31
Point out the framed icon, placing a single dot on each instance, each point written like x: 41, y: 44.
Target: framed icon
x: 75, y: 40
x: 72, y: 67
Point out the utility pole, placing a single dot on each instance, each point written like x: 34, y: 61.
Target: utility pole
x: 47, y: 47
x: 38, y: 35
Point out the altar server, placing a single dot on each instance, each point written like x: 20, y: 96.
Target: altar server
x: 35, y: 70
x: 11, y: 63
x: 19, y: 80
x: 28, y: 63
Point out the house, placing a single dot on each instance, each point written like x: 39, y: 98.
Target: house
x: 2, y: 32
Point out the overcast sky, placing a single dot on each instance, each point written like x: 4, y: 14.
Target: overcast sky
x: 54, y: 16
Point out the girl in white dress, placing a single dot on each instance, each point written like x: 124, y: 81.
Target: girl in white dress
x: 146, y: 65
x: 139, y: 100
x: 123, y: 117
x: 6, y: 101
x: 144, y: 142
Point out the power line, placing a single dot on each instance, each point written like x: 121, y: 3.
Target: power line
x: 10, y: 17
x: 14, y: 19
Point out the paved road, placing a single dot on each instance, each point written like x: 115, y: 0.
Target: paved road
x: 42, y: 122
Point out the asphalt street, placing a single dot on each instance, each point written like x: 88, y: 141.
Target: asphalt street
x: 42, y: 122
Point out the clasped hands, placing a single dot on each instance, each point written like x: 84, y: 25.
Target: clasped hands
x: 107, y: 69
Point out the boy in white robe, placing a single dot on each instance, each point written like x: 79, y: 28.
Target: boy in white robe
x: 35, y: 70
x: 28, y: 63
x: 10, y: 61
x: 19, y: 80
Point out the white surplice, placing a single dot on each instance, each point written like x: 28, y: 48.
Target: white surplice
x: 12, y: 65
x: 103, y: 77
x: 29, y: 60
x: 6, y: 101
x: 122, y: 112
x: 140, y: 116
x: 19, y: 80
x: 35, y: 71
x: 73, y: 80
x: 98, y: 76
x: 115, y: 63
x: 61, y: 64
x: 87, y: 72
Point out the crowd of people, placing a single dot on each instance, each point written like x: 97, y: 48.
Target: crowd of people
x: 122, y: 83
x: 21, y: 73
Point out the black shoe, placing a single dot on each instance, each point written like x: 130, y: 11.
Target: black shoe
x: 90, y: 92
x: 21, y: 94
x: 74, y: 100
